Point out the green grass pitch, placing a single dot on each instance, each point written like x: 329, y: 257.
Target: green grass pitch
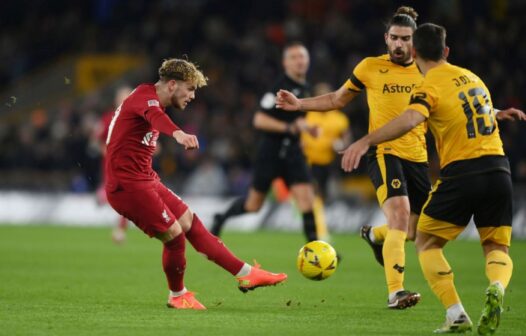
x: 75, y: 281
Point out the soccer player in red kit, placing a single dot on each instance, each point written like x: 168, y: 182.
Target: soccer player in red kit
x: 135, y: 191
x: 99, y: 137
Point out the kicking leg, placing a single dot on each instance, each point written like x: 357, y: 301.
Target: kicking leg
x: 213, y: 248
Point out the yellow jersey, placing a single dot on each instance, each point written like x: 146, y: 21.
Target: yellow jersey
x: 388, y: 86
x: 332, y: 125
x: 459, y: 112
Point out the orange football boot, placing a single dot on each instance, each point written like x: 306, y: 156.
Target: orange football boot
x: 259, y: 278
x: 185, y: 301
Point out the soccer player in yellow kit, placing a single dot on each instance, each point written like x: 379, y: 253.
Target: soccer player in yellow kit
x: 398, y: 169
x: 474, y: 177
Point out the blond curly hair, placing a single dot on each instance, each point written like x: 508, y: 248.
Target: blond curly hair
x: 180, y: 69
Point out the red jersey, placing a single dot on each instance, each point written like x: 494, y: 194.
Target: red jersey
x: 132, y: 138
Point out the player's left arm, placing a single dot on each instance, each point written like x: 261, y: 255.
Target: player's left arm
x: 392, y: 130
x: 510, y: 114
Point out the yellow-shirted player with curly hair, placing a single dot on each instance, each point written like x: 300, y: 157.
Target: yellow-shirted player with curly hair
x: 398, y: 169
x: 475, y: 176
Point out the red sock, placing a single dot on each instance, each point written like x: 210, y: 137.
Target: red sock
x: 206, y: 243
x: 123, y: 223
x: 174, y: 262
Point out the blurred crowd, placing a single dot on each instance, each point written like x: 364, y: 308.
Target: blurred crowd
x: 238, y: 46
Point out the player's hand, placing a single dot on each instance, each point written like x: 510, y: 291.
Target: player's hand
x: 511, y: 114
x: 287, y: 101
x: 353, y: 154
x: 189, y: 141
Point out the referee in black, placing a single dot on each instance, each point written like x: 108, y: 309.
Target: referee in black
x: 279, y: 152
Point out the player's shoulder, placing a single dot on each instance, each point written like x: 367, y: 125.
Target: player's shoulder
x: 448, y: 73
x: 380, y: 60
x: 144, y: 94
x: 375, y: 63
x: 144, y: 90
x: 466, y: 72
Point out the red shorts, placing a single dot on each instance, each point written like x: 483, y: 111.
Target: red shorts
x: 153, y: 209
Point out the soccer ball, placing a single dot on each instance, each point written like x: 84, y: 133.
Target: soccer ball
x: 317, y: 260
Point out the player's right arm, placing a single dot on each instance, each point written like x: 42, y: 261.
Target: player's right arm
x: 335, y: 100
x: 510, y: 114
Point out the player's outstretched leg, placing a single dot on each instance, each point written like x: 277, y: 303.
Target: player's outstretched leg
x: 248, y: 277
x: 365, y: 233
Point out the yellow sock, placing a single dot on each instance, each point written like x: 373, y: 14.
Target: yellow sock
x: 499, y: 267
x: 319, y: 219
x: 394, y: 259
x: 379, y: 233
x: 439, y: 276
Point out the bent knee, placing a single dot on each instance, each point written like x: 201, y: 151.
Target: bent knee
x: 173, y: 231
x: 399, y: 219
x: 425, y: 241
x: 489, y: 246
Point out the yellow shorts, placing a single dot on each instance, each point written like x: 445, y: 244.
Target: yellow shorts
x: 393, y: 176
x: 500, y: 235
x: 485, y: 197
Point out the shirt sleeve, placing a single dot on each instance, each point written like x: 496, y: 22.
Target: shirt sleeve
x: 160, y: 121
x: 423, y: 99
x: 157, y: 117
x: 358, y: 79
